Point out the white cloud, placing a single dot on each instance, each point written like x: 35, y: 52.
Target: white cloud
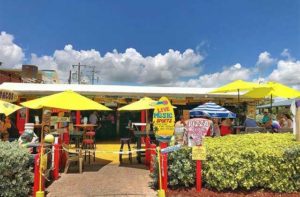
x: 287, y: 72
x: 232, y: 73
x: 11, y: 55
x: 129, y: 66
x: 265, y: 59
x: 286, y: 53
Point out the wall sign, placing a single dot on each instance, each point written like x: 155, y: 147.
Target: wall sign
x: 163, y: 119
x: 9, y: 96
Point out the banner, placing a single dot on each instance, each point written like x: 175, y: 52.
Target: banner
x: 196, y: 129
x: 163, y: 119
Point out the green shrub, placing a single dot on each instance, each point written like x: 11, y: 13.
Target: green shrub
x: 15, y: 174
x: 264, y: 161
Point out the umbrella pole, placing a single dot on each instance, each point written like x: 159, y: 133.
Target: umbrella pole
x: 271, y: 103
x: 238, y: 96
x: 238, y: 123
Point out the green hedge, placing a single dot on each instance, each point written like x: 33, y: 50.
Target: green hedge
x: 15, y: 174
x: 250, y: 161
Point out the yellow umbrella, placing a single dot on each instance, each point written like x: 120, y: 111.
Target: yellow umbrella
x: 272, y: 89
x: 8, y: 108
x: 68, y: 100
x: 238, y: 85
x: 142, y: 104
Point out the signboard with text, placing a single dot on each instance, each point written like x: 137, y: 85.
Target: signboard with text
x: 198, y: 153
x: 9, y: 96
x: 163, y: 118
x: 196, y: 129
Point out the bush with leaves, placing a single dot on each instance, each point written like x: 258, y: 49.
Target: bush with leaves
x: 264, y: 161
x: 15, y: 174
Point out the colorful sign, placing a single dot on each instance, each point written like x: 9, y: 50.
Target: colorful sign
x: 196, y: 129
x: 163, y: 119
x: 198, y: 153
x: 7, y: 95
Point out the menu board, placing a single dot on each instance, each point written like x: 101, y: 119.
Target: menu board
x: 163, y: 118
x: 196, y: 130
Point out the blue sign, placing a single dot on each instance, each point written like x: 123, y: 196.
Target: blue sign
x: 171, y: 148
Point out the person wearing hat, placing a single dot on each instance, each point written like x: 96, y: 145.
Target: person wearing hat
x: 266, y: 120
x: 250, y: 121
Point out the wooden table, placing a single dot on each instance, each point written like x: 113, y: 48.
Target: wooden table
x: 85, y: 126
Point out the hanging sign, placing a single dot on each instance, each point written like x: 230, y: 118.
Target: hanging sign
x: 196, y: 129
x: 163, y: 119
x: 198, y: 153
x: 9, y: 96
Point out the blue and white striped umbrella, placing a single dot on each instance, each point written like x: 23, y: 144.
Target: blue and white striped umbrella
x: 211, y: 110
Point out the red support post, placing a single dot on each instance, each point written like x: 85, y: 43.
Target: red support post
x: 78, y: 121
x: 164, y: 166
x: 36, y: 174
x: 147, y: 152
x: 152, y: 156
x: 198, y: 176
x: 56, y: 161
x: 36, y: 183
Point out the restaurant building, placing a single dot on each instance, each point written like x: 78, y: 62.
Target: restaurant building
x: 115, y: 96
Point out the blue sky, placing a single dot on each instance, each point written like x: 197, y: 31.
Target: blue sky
x: 223, y: 33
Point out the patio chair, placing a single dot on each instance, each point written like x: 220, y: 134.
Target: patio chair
x: 73, y: 155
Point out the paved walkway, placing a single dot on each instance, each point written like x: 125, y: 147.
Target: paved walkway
x: 99, y: 179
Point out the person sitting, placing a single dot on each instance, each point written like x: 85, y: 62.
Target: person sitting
x: 288, y: 121
x: 226, y: 126
x: 4, y: 126
x: 266, y: 120
x: 250, y: 121
x: 275, y: 126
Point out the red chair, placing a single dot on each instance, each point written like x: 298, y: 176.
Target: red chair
x: 225, y: 130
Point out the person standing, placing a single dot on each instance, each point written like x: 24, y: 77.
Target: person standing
x: 216, y: 127
x: 93, y: 119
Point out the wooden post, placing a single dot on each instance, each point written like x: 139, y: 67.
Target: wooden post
x: 297, y: 119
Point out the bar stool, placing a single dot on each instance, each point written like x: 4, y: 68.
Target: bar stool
x: 89, y: 145
x: 125, y: 141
